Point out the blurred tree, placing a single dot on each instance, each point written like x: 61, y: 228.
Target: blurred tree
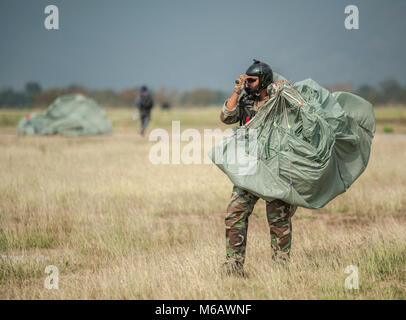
x: 391, y: 91
x: 203, y: 96
x: 166, y: 97
x: 11, y: 98
x: 32, y: 88
x: 46, y: 97
x: 127, y: 97
x: 343, y: 86
x: 104, y: 97
x: 75, y: 88
x: 404, y: 96
x: 369, y: 93
x: 6, y: 97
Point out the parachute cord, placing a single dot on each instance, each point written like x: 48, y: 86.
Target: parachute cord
x: 274, y: 124
x: 285, y: 112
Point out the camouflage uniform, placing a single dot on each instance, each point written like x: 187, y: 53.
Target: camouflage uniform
x: 279, y: 216
x: 278, y: 212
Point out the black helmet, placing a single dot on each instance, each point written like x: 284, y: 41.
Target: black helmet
x: 264, y: 72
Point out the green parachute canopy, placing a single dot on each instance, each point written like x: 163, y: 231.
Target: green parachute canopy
x: 305, y: 146
x: 71, y: 115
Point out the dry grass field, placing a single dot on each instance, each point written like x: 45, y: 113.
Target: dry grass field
x: 118, y: 227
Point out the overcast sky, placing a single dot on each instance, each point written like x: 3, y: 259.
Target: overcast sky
x: 190, y: 44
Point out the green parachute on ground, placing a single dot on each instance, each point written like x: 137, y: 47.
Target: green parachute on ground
x: 305, y: 146
x: 70, y: 115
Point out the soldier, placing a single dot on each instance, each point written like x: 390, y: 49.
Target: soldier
x: 249, y: 95
x: 144, y: 103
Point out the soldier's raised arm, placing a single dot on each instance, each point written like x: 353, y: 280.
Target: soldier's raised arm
x: 230, y: 113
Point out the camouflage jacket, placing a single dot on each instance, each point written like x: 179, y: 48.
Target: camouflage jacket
x: 246, y: 109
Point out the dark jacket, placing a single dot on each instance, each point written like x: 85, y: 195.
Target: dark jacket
x: 144, y: 103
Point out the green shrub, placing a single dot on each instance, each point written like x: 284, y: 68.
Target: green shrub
x: 388, y: 129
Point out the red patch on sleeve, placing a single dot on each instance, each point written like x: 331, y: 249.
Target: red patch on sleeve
x: 247, y: 119
x: 27, y: 116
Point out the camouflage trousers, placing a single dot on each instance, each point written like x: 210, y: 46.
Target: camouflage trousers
x: 279, y: 216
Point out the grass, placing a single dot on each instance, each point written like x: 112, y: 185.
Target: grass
x: 10, y: 118
x: 390, y: 112
x: 119, y: 227
x: 393, y: 116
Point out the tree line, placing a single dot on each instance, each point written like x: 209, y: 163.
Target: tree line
x: 387, y: 91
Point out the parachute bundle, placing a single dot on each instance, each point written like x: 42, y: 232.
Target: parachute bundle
x: 305, y: 146
x: 70, y: 115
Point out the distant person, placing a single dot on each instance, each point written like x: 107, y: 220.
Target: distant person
x: 144, y: 103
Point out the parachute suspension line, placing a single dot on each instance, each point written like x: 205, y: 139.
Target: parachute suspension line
x: 273, y: 118
x: 285, y: 112
x: 294, y: 99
